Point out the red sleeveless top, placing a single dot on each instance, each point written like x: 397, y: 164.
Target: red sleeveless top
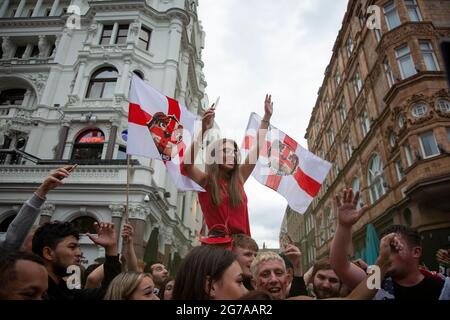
x: 237, y: 216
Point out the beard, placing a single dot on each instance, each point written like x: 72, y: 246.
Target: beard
x: 326, y: 293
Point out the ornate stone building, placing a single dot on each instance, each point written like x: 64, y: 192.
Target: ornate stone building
x: 382, y: 117
x: 65, y: 71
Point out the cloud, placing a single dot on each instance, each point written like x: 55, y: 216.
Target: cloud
x: 254, y: 47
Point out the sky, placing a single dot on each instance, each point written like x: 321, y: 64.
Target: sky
x: 254, y: 47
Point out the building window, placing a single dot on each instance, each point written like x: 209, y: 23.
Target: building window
x: 428, y: 56
x: 321, y: 232
x: 391, y: 15
x: 6, y: 222
x: 365, y: 123
x: 356, y: 187
x: 413, y: 10
x: 337, y: 77
x: 122, y: 34
x: 349, y: 46
x: 348, y: 149
x: 444, y: 106
x: 85, y: 224
x: 30, y: 13
x: 144, y: 39
x: 47, y: 12
x: 330, y: 135
x: 388, y: 72
x: 392, y: 139
x: 330, y: 218
x: 336, y: 169
x: 102, y: 84
x: 357, y: 84
x: 139, y: 74
x: 106, y: 34
x: 343, y: 112
x: 20, y: 50
x: 378, y: 34
x: 375, y: 178
x: 12, y: 97
x: 35, y: 52
x: 448, y: 134
x: 419, y: 110
x: 408, y: 155
x: 401, y: 121
x: 89, y: 145
x: 327, y: 103
x: 429, y: 145
x: 122, y: 153
x: 405, y: 62
x: 399, y: 169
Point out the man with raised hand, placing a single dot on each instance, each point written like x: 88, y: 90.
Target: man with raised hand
x: 404, y: 281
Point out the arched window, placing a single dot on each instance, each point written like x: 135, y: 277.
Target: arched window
x: 444, y: 105
x: 89, y: 145
x: 6, y: 222
x: 139, y: 74
x: 12, y: 97
x: 419, y: 110
x: 375, y: 178
x: 102, y: 84
x: 330, y: 221
x: 356, y: 187
x: 85, y: 224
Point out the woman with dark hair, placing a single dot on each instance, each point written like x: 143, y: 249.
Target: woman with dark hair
x: 209, y: 273
x: 225, y: 201
x: 166, y: 291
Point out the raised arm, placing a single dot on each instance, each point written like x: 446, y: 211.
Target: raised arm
x: 388, y: 245
x: 197, y: 175
x: 24, y: 220
x: 131, y: 259
x: 363, y: 291
x: 348, y: 215
x: 249, y: 164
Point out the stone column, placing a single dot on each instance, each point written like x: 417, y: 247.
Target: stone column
x: 170, y: 76
x: 28, y: 51
x: 137, y: 218
x: 125, y: 76
x: 79, y: 81
x: 47, y: 211
x: 114, y: 33
x: 63, y: 132
x: 4, y: 8
x: 54, y: 8
x: 117, y: 211
x: 112, y: 141
x: 184, y: 68
x: 37, y: 8
x: 26, y: 98
x: 20, y: 8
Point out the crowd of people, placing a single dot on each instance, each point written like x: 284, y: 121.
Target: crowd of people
x: 40, y: 262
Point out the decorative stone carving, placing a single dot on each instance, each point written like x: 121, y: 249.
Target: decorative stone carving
x: 39, y: 80
x: 73, y: 99
x: 47, y: 209
x: 7, y: 48
x: 117, y: 210
x: 138, y: 212
x: 44, y: 46
x: 92, y: 32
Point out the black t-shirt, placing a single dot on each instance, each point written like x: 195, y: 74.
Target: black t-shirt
x: 427, y: 289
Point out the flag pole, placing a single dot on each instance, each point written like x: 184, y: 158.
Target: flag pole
x: 128, y: 189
